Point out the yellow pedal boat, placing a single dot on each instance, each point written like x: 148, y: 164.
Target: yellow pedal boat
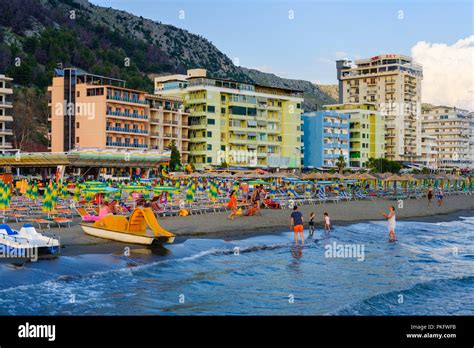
x: 140, y: 228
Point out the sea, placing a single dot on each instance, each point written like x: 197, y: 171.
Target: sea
x: 353, y: 271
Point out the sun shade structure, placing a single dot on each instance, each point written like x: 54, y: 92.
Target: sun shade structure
x: 83, y: 158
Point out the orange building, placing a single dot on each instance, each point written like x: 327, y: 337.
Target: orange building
x: 91, y: 111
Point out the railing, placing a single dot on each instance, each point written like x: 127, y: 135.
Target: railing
x: 129, y: 100
x: 126, y: 114
x: 127, y: 130
x: 119, y: 144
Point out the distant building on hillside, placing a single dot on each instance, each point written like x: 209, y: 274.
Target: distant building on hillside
x: 5, y: 112
x: 326, y: 137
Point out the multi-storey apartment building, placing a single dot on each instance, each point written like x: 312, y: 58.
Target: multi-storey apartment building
x: 242, y: 124
x: 429, y: 151
x: 326, y: 137
x: 367, y: 131
x: 393, y: 83
x: 5, y: 112
x: 452, y: 129
x: 91, y: 111
x: 168, y: 123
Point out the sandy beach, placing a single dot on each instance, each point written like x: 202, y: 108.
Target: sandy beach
x: 216, y: 225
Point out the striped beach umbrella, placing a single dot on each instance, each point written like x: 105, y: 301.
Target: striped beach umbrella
x: 34, y: 191
x: 54, y: 195
x: 28, y: 190
x: 273, y: 188
x: 291, y: 189
x: 190, y: 192
x: 308, y: 189
x: 47, y: 201
x: 213, y: 191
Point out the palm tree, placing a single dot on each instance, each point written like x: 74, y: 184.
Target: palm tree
x: 341, y: 164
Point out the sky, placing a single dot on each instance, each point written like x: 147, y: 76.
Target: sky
x: 301, y: 39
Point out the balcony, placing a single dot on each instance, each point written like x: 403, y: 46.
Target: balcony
x: 154, y: 134
x: 127, y: 100
x: 6, y: 104
x: 6, y: 131
x: 4, y: 118
x: 127, y: 130
x: 4, y: 90
x: 129, y: 145
x: 126, y: 114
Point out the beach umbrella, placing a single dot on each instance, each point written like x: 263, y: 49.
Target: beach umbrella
x: 213, y: 191
x: 273, y: 188
x: 190, y: 191
x: 34, y: 195
x: 54, y: 196
x: 291, y: 189
x: 308, y: 189
x: 47, y: 201
x: 28, y: 190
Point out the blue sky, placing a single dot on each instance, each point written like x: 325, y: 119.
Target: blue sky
x: 261, y: 35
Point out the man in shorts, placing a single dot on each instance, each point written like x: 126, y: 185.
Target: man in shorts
x: 296, y: 223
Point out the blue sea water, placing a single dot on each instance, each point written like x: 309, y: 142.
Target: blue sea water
x: 429, y: 271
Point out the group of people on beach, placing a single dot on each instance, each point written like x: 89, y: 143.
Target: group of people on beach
x: 296, y: 224
x: 253, y: 202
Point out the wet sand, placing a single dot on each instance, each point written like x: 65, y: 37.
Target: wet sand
x: 216, y: 225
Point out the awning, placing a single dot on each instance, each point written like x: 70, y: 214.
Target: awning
x: 252, y: 123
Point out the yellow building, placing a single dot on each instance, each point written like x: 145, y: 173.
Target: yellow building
x: 91, y: 111
x: 238, y: 123
x: 367, y: 131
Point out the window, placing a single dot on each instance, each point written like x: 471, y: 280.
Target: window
x: 77, y: 125
x: 211, y: 108
x: 211, y: 121
x: 222, y: 98
x: 222, y: 147
x: 209, y: 134
x: 209, y: 147
x: 222, y: 110
x: 77, y: 139
x: 209, y: 160
x: 78, y: 94
x: 298, y: 106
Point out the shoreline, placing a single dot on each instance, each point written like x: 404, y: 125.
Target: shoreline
x: 217, y: 226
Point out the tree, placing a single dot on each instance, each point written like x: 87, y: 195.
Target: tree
x: 381, y: 165
x: 341, y: 164
x: 224, y: 164
x: 175, y: 159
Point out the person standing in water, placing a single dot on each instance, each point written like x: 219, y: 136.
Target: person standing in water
x: 327, y: 223
x: 311, y: 224
x: 296, y: 223
x: 391, y: 224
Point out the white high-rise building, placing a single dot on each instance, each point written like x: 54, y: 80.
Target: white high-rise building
x: 393, y: 83
x: 453, y: 130
x: 5, y: 112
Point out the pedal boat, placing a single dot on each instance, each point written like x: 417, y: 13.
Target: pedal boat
x: 140, y: 228
x: 21, y: 243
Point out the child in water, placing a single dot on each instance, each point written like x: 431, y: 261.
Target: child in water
x: 327, y: 223
x: 311, y: 224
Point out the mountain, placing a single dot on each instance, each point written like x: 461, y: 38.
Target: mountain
x: 37, y: 35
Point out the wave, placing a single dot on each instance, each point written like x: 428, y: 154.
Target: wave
x: 387, y: 303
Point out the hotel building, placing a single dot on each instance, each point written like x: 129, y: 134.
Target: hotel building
x: 168, y: 122
x: 238, y: 123
x: 367, y: 131
x: 393, y: 83
x: 5, y: 112
x: 429, y: 151
x: 91, y: 111
x: 326, y: 138
x: 452, y: 129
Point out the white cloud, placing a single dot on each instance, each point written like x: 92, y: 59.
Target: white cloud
x: 448, y: 72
